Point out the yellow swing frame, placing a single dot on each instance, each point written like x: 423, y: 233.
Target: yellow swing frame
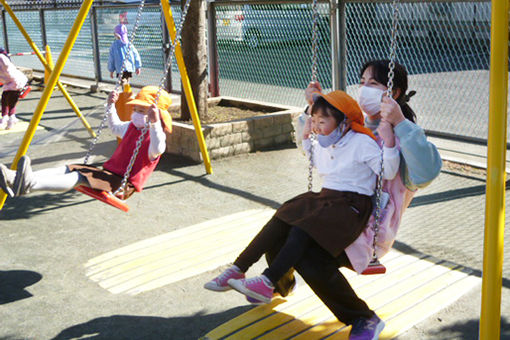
x: 59, y: 66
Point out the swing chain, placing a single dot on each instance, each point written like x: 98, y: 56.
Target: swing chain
x: 121, y: 190
x: 118, y: 83
x: 391, y: 66
x: 310, y: 165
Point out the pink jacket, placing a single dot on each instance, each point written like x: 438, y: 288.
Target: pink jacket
x: 361, y: 250
x: 12, y: 78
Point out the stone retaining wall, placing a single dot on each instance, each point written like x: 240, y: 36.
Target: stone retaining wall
x: 236, y: 137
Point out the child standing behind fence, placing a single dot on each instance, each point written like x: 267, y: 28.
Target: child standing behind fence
x: 119, y: 52
x: 14, y: 82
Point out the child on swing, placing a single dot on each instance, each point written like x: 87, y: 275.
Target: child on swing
x: 348, y: 159
x: 109, y: 178
x: 14, y: 82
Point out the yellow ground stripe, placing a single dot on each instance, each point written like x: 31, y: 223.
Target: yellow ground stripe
x: 423, y: 310
x: 175, y: 252
x: 402, y: 297
x: 20, y: 126
x: 203, y: 227
x: 174, y: 256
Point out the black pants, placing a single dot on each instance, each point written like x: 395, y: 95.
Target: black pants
x: 320, y: 271
x: 9, y: 101
x: 290, y: 241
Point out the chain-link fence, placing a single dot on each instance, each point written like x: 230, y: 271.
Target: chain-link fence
x: 262, y: 50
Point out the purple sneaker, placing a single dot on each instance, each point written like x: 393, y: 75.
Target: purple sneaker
x: 255, y: 288
x: 219, y: 283
x: 366, y: 329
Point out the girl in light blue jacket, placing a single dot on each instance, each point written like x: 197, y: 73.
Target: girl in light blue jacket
x: 119, y: 52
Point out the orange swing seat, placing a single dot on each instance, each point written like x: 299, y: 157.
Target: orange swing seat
x: 374, y: 267
x: 103, y: 196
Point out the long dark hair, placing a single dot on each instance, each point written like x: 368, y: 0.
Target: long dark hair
x: 328, y: 109
x: 380, y: 69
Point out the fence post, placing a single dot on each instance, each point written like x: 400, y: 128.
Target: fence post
x: 166, y: 54
x: 333, y: 24
x: 342, y: 46
x: 42, y: 23
x: 95, y: 45
x: 212, y: 44
x: 4, y: 28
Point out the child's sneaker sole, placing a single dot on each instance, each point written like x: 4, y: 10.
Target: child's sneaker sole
x: 216, y: 288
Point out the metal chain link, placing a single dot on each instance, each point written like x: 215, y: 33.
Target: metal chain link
x: 121, y: 190
x: 117, y: 84
x: 315, y: 48
x: 378, y: 192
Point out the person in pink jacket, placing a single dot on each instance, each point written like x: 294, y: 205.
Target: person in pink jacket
x: 14, y: 81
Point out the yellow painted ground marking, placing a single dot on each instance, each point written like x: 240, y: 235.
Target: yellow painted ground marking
x: 177, y: 255
x: 410, y: 291
x: 20, y: 126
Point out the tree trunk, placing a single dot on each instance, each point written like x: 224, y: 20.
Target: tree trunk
x: 195, y: 57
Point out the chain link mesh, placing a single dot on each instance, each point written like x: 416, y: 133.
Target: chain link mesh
x: 264, y: 51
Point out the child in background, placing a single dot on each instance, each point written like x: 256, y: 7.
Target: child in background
x: 119, y: 52
x: 109, y: 178
x: 14, y: 81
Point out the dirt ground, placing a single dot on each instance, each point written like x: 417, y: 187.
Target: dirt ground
x: 220, y: 114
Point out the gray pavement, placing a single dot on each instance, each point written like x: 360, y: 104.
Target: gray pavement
x: 47, y: 238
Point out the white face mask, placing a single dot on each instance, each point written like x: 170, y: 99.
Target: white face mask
x: 138, y: 119
x: 370, y: 100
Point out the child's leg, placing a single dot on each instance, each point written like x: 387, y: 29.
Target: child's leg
x: 5, y: 109
x: 56, y: 179
x: 293, y: 249
x: 273, y: 234
x: 320, y: 271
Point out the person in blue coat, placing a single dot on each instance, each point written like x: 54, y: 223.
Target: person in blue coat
x: 119, y: 53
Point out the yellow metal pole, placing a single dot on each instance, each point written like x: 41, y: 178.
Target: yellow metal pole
x: 47, y: 67
x: 490, y: 316
x: 49, y: 61
x: 48, y: 90
x: 170, y: 24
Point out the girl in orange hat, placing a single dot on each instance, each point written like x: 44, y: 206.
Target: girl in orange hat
x: 109, y: 177
x: 348, y: 159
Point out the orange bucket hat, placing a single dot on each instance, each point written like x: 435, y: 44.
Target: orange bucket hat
x: 147, y: 96
x: 349, y: 107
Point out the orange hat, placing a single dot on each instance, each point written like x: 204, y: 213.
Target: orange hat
x: 147, y: 96
x: 349, y: 107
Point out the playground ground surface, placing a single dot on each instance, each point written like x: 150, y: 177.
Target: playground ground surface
x: 48, y: 241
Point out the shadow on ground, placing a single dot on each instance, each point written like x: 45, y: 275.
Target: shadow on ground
x: 149, y: 327
x: 13, y: 283
x: 468, y: 330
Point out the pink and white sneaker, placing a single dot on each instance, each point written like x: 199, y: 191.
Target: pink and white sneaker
x: 258, y: 302
x: 255, y: 287
x: 219, y: 283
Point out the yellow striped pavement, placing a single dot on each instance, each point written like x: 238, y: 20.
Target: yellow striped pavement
x: 176, y: 255
x: 415, y: 286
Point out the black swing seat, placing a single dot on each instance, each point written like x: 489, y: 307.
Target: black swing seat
x: 374, y: 267
x: 103, y: 196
